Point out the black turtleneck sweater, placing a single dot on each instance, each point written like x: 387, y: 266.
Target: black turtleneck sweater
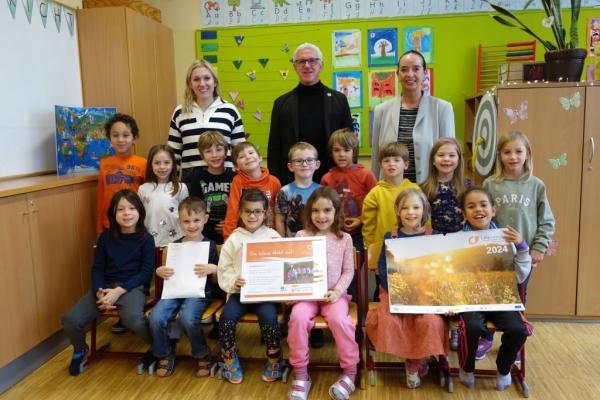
x: 312, y: 124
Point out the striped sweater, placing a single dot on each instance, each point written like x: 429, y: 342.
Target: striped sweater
x: 186, y: 128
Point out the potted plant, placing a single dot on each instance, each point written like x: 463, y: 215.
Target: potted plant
x: 564, y: 61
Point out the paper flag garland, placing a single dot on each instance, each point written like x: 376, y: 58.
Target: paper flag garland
x: 57, y: 13
x: 258, y: 115
x: 560, y: 161
x: 237, y: 63
x: 240, y: 104
x: 234, y: 95
x: 263, y: 61
x: 284, y: 73
x: 70, y: 18
x: 239, y: 39
x: 28, y: 7
x: 285, y: 48
x: 251, y: 75
x: 12, y: 5
x: 43, y: 6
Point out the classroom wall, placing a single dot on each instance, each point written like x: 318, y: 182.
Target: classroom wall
x: 456, y: 38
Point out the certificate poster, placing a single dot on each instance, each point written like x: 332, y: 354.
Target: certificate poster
x: 458, y: 272
x: 284, y: 269
x: 184, y: 283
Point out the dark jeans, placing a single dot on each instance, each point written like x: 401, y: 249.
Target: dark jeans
x: 357, y: 242
x: 514, y: 330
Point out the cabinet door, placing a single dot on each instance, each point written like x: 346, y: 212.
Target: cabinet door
x: 55, y: 255
x: 588, y: 294
x: 85, y: 229
x: 167, y: 95
x: 141, y: 38
x: 552, y: 130
x: 20, y: 330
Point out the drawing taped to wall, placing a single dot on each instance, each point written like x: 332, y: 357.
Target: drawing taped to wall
x: 346, y: 48
x: 420, y: 39
x: 350, y: 84
x: 382, y: 47
x: 382, y: 86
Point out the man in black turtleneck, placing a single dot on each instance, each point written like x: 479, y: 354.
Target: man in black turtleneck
x: 308, y: 113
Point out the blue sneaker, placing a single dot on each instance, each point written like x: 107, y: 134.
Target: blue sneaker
x: 78, y: 362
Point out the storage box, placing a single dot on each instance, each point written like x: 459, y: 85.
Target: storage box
x: 510, y: 72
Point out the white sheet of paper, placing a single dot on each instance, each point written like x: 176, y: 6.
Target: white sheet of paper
x: 185, y: 283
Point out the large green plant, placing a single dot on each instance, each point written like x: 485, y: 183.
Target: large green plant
x: 552, y: 21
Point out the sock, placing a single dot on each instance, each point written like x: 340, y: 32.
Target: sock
x: 301, y: 374
x: 350, y: 372
x: 503, y: 382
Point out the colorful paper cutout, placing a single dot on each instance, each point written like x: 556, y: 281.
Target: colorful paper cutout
x: 239, y: 39
x: 560, y: 161
x: 420, y: 39
x: 234, y: 95
x: 43, y: 7
x: 382, y: 47
x: 346, y: 48
x: 57, y: 13
x: 211, y: 58
x: 263, y: 61
x: 70, y: 18
x: 209, y: 46
x: 285, y: 48
x: 237, y: 63
x: 12, y: 6
x: 284, y: 73
x: 574, y: 101
x: 519, y: 112
x: 251, y: 75
x: 28, y: 7
x: 204, y: 35
x: 240, y: 104
x: 257, y: 115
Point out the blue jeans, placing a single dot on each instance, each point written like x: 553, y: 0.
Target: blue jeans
x: 190, y: 314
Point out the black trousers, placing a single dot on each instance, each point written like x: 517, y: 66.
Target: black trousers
x: 515, y: 332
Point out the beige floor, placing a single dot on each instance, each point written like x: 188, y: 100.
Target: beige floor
x: 561, y: 359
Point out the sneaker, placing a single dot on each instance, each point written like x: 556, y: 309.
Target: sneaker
x: 118, y: 327
x: 147, y: 363
x: 77, y: 365
x: 316, y: 339
x: 483, y: 348
x: 413, y: 380
x: 518, y: 359
x: 454, y: 339
x: 503, y: 382
x: 466, y: 378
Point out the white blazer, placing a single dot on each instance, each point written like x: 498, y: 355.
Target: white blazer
x: 435, y: 119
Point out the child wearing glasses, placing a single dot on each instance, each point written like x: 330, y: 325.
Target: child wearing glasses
x: 303, y: 161
x: 250, y: 174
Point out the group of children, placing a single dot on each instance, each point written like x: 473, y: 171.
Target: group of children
x: 349, y: 207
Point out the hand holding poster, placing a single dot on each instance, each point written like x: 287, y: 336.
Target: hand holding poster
x: 458, y: 272
x: 185, y: 283
x: 284, y: 269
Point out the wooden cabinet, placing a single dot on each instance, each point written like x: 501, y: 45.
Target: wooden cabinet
x: 565, y: 284
x: 127, y: 61
x: 46, y: 240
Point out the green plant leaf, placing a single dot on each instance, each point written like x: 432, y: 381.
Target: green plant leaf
x: 504, y: 22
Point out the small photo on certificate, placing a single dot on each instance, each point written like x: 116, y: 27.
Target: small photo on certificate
x: 284, y: 269
x: 184, y: 283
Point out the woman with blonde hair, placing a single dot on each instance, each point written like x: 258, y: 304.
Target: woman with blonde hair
x: 202, y: 110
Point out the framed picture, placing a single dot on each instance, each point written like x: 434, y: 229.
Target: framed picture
x: 593, y: 36
x: 383, y: 47
x: 350, y: 84
x: 420, y: 39
x: 346, y: 48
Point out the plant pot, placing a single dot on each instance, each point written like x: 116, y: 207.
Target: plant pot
x: 564, y: 65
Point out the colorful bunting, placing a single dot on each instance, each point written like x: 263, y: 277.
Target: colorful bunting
x: 284, y: 73
x: 258, y: 115
x: 57, y: 13
x: 28, y: 7
x: 70, y: 18
x: 237, y: 63
x: 209, y: 46
x: 263, y: 61
x: 240, y: 104
x: 43, y: 7
x: 208, y: 35
x: 239, y: 39
x: 251, y: 75
x: 211, y: 58
x: 285, y: 48
x: 234, y: 95
x: 12, y: 6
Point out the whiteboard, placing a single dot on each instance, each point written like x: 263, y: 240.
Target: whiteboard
x: 39, y: 68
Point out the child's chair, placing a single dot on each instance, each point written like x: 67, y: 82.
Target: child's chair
x: 445, y: 378
x: 355, y: 310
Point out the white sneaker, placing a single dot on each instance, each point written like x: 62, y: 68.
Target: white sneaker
x: 413, y: 380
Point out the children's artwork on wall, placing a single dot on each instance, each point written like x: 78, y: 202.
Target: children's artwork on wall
x: 350, y: 84
x: 383, y: 47
x: 346, y: 48
x: 371, y: 120
x: 382, y: 86
x: 356, y: 125
x: 593, y: 36
x: 80, y: 138
x: 427, y: 84
x: 420, y: 39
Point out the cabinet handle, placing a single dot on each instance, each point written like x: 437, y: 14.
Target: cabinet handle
x: 593, y: 149
x: 23, y: 213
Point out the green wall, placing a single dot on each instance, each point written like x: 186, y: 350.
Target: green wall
x: 455, y: 41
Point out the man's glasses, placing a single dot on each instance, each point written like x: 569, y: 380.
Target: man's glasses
x: 256, y: 213
x: 299, y: 161
x: 311, y: 61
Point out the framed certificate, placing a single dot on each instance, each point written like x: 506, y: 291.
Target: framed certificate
x: 457, y: 272
x: 284, y: 269
x: 185, y: 283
